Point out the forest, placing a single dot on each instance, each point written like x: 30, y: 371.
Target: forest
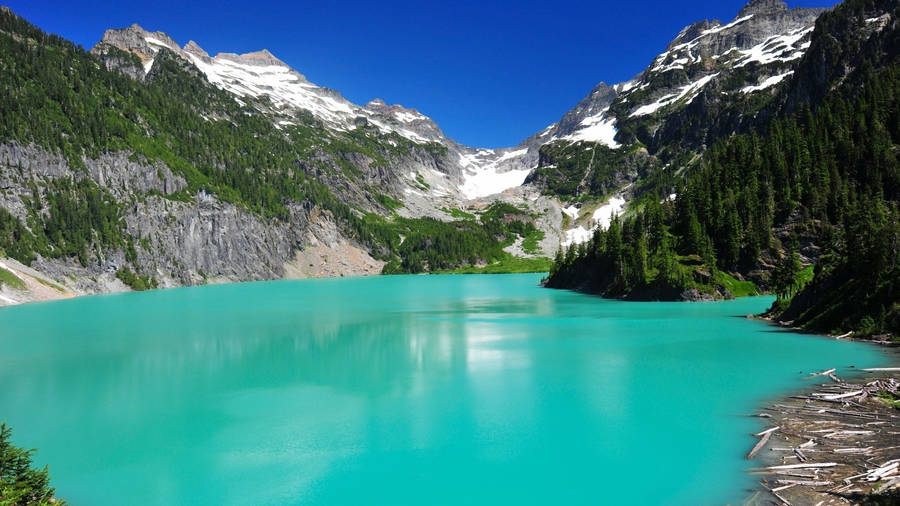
x: 823, y: 181
x: 60, y: 97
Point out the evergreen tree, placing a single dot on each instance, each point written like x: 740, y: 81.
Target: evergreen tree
x: 20, y: 483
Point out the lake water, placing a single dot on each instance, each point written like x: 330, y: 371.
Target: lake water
x: 397, y: 390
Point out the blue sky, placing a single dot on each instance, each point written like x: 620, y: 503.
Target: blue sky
x: 490, y: 73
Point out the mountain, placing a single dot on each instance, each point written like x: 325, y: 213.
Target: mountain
x: 801, y: 198
x: 712, y: 80
x: 146, y: 163
x: 283, y: 93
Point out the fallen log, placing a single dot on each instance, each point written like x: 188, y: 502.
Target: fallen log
x: 881, y: 472
x: 762, y: 442
x: 763, y: 433
x: 805, y: 483
x: 853, y: 450
x: 802, y: 466
x: 779, y: 489
x: 850, y: 433
x: 782, y: 499
x: 834, y: 397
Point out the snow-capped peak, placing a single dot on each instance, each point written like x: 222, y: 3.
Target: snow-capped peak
x: 261, y: 75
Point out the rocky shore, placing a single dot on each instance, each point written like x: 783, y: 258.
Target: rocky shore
x: 836, y: 443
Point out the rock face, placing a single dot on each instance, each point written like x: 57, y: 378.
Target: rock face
x: 701, y: 88
x: 597, y: 100
x: 712, y: 80
x: 136, y: 41
x: 762, y: 7
x: 181, y: 243
x: 830, y: 65
x: 287, y: 95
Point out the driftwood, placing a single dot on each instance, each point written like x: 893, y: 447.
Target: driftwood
x: 805, y: 483
x: 779, y: 489
x: 853, y: 450
x: 882, y: 369
x: 802, y: 466
x: 766, y: 434
x: 839, y: 424
x: 763, y: 433
x: 834, y: 397
x: 886, y: 470
x: 782, y: 499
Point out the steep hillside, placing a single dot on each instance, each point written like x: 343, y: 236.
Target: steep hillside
x: 144, y: 164
x: 714, y: 79
x: 817, y: 182
x: 285, y: 95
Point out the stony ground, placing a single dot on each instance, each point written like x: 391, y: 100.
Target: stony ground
x: 836, y: 444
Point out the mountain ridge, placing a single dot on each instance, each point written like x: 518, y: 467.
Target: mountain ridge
x: 809, y: 190
x: 380, y: 164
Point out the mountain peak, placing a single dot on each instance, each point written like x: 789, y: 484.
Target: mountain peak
x: 138, y: 40
x: 259, y: 58
x: 762, y: 7
x: 195, y: 49
x: 407, y: 114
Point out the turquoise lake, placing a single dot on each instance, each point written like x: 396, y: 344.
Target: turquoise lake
x: 397, y: 390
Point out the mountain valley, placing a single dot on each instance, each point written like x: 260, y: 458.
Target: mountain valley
x: 143, y: 163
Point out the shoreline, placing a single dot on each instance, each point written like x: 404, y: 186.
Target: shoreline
x: 34, y: 286
x: 834, y: 442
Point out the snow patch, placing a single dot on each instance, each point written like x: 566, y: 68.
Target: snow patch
x: 406, y: 117
x: 678, y: 64
x: 604, y: 215
x: 156, y: 42
x: 692, y: 89
x: 628, y: 86
x: 597, y: 128
x: 577, y: 235
x: 772, y: 81
x: 572, y: 211
x: 482, y: 176
x: 725, y: 27
x: 601, y: 219
x: 777, y: 48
